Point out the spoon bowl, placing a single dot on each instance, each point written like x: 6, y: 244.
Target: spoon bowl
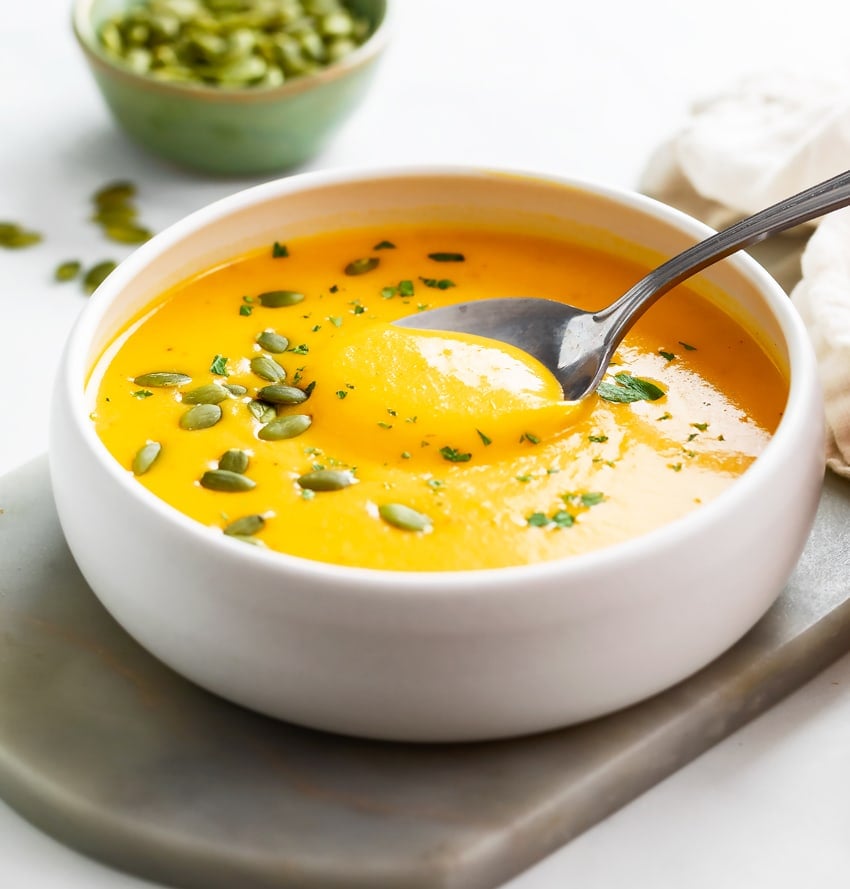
x: 577, y: 345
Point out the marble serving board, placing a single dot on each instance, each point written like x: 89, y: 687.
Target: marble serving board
x: 112, y: 753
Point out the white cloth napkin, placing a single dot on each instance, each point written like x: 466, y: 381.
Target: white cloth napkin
x: 762, y: 140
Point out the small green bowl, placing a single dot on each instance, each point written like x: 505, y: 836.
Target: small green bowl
x: 232, y: 131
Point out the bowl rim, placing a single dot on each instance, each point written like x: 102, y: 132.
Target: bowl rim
x: 802, y: 372
x: 368, y: 51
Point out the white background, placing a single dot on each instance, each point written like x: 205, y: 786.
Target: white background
x: 583, y: 89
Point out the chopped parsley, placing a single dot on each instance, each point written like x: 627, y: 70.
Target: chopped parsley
x: 219, y: 365
x: 628, y: 389
x: 453, y: 455
x: 669, y: 356
x: 447, y: 257
x: 437, y: 283
x: 279, y: 251
x: 384, y: 245
x: 687, y: 346
x: 485, y: 439
x: 599, y: 439
x: 142, y: 393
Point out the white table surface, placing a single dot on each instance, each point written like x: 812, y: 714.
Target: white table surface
x: 581, y: 89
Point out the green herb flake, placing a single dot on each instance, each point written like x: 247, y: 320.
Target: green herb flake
x: 628, y: 389
x: 219, y: 366
x: 530, y: 437
x: 245, y: 310
x: 142, y: 393
x: 303, y: 349
x: 316, y: 328
x: 692, y: 436
x: 668, y: 356
x: 592, y: 498
x: 384, y: 245
x: 676, y: 467
x: 405, y: 455
x: 388, y: 292
x: 447, y: 257
x: 563, y: 519
x: 599, y: 439
x: 453, y: 455
x: 665, y: 416
x: 333, y: 288
x: 362, y: 266
x: 525, y: 479
x: 438, y: 283
x: 279, y: 251
x: 538, y: 520
x: 687, y: 346
x: 341, y: 393
x: 384, y: 425
x: 358, y: 309
x: 335, y: 320
x: 485, y: 439
x: 701, y: 426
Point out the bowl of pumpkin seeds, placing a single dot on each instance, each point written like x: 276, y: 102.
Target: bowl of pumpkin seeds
x: 232, y: 86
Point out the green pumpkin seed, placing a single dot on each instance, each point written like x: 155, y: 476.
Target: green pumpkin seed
x: 261, y: 411
x: 403, y: 517
x: 114, y: 193
x: 235, y: 389
x: 277, y: 394
x: 97, y: 274
x: 361, y: 266
x: 278, y: 299
x: 201, y: 416
x: 327, y: 480
x: 212, y: 393
x: 145, y: 457
x: 234, y: 460
x: 224, y: 480
x: 287, y: 426
x: 162, y: 379
x: 246, y: 526
x: 268, y: 369
x: 15, y: 236
x: 67, y: 271
x: 273, y: 342
x: 128, y: 234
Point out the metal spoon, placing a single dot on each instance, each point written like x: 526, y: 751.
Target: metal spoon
x: 577, y: 345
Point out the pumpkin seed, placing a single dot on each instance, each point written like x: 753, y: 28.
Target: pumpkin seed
x: 268, y: 369
x: 15, y: 236
x: 287, y: 426
x: 403, y: 517
x: 97, y: 274
x: 235, y: 389
x: 277, y: 394
x: 67, y: 271
x: 278, y: 299
x: 127, y: 234
x: 201, y: 416
x: 273, y: 342
x: 114, y: 193
x: 246, y: 526
x: 145, y: 457
x: 327, y: 480
x: 361, y: 266
x: 162, y: 379
x: 224, y: 480
x: 234, y: 460
x: 261, y: 411
x: 212, y: 393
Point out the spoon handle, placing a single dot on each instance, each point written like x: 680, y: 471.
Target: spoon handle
x: 809, y: 204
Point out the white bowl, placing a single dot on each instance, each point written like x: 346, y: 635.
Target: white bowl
x: 445, y: 655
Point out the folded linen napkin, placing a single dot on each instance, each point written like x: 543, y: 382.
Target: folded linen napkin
x: 768, y: 137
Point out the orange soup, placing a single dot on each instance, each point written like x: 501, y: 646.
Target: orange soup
x: 272, y: 400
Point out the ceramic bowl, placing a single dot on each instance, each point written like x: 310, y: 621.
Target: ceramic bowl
x: 232, y: 131
x: 434, y: 656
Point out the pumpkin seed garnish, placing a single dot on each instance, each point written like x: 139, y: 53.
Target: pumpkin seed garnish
x: 145, y: 457
x: 235, y: 389
x: 114, y: 210
x: 447, y: 257
x: 277, y: 394
x: 287, y: 426
x: 362, y: 266
x: 162, y: 379
x: 224, y: 480
x: 14, y: 236
x: 201, y: 416
x: 212, y: 393
x: 273, y: 342
x: 246, y: 526
x: 278, y: 299
x: 267, y: 369
x: 97, y: 274
x: 234, y: 460
x: 403, y: 517
x: 67, y: 271
x: 327, y: 480
x: 261, y: 411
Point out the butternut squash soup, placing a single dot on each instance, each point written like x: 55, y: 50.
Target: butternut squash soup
x: 272, y: 399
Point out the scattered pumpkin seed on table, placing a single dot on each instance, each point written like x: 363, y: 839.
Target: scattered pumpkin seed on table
x: 14, y: 236
x: 237, y: 44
